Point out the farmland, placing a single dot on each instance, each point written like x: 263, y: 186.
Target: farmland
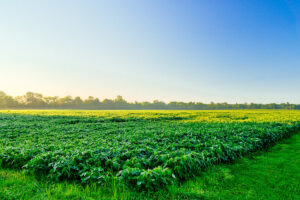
x: 144, y: 150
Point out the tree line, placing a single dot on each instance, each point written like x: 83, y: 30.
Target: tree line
x: 33, y: 100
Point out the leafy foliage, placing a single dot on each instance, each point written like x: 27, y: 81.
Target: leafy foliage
x: 145, y: 150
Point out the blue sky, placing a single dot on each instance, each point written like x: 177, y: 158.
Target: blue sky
x: 216, y: 50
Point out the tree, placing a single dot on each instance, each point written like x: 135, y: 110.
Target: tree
x: 77, y: 101
x: 51, y: 101
x: 120, y: 102
x: 91, y: 101
x: 32, y: 100
x: 2, y: 100
x: 108, y: 103
x: 65, y: 101
x: 158, y: 104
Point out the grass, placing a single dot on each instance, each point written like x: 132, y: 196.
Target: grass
x: 271, y: 174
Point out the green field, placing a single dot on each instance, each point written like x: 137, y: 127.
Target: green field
x: 149, y: 152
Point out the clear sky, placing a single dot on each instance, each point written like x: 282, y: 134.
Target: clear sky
x: 201, y: 50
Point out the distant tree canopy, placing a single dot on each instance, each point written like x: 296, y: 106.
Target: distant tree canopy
x: 33, y: 100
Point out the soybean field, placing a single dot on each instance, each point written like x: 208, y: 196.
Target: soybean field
x: 144, y: 150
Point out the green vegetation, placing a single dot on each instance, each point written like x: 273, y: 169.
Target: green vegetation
x: 273, y: 174
x: 136, y: 149
x: 37, y: 101
x: 269, y: 175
